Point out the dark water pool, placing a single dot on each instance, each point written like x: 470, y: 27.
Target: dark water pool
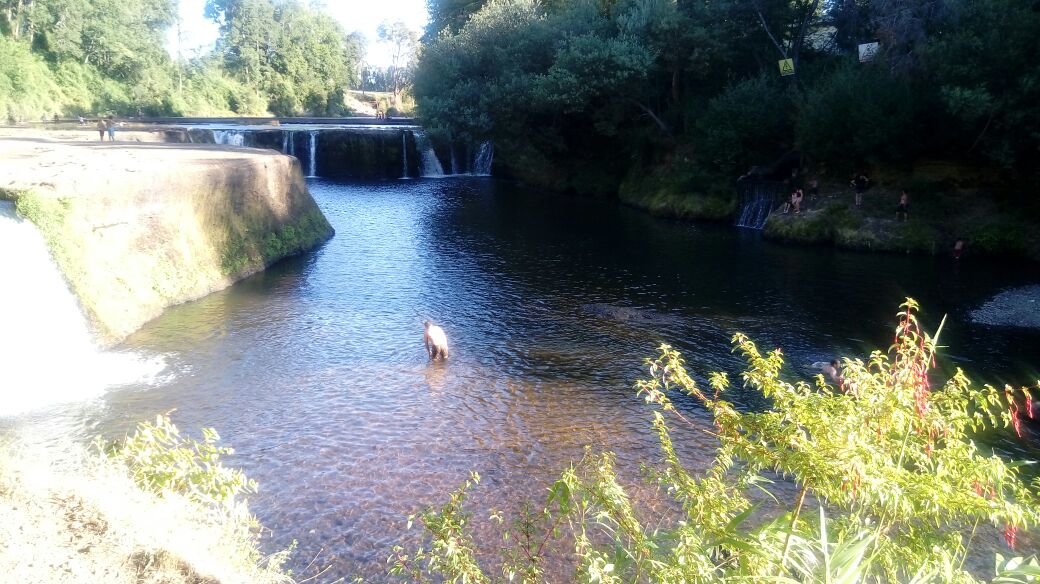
x: 315, y: 372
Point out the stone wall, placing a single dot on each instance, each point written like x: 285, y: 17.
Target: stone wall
x: 140, y: 227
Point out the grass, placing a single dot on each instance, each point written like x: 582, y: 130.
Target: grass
x: 75, y: 516
x: 242, y: 253
x: 941, y: 213
x: 678, y: 191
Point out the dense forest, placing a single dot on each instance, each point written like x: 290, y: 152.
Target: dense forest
x: 688, y: 95
x: 73, y: 57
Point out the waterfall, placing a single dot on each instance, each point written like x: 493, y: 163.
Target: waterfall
x: 482, y: 161
x: 229, y: 137
x: 757, y: 199
x: 314, y: 155
x: 48, y: 353
x: 404, y: 154
x: 431, y: 166
x: 285, y: 142
x: 454, y: 161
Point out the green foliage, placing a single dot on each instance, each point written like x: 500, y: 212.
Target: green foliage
x: 244, y: 250
x: 27, y: 86
x: 678, y: 190
x: 90, y: 57
x: 298, y: 58
x: 985, y: 63
x: 159, y: 459
x: 622, y: 85
x: 889, y: 455
x: 857, y: 114
x: 814, y: 225
x: 1006, y: 237
x: 746, y: 124
x: 162, y: 461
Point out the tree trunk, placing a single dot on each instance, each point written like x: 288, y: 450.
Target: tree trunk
x: 802, y: 31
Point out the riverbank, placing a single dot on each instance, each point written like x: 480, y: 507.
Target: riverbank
x: 74, y: 516
x: 138, y: 227
x: 947, y: 203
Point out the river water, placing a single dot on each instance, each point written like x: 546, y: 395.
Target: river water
x: 315, y: 372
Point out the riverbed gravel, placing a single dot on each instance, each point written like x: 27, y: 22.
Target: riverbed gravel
x: 1016, y: 307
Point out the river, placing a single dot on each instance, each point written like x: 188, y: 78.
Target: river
x: 315, y: 372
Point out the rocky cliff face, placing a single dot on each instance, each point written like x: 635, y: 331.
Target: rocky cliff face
x: 139, y: 227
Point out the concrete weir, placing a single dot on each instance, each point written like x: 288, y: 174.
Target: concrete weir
x: 138, y: 227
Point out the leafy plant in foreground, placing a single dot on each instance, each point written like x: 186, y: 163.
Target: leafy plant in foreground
x: 160, y: 460
x: 888, y: 455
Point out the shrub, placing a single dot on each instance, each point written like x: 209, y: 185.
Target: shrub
x: 888, y: 453
x: 856, y: 114
x: 747, y: 124
x: 160, y: 460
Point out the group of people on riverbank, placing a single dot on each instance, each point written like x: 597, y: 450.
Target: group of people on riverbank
x: 860, y: 183
x: 106, y: 126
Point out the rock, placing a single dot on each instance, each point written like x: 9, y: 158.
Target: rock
x: 1017, y: 307
x: 136, y: 228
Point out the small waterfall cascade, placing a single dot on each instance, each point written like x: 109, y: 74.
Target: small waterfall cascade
x: 48, y: 352
x: 404, y: 154
x: 483, y: 159
x: 757, y: 199
x: 229, y: 137
x: 289, y: 142
x: 431, y: 166
x: 313, y: 173
x: 454, y: 161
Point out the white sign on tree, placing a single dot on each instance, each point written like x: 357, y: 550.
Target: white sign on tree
x: 867, y: 52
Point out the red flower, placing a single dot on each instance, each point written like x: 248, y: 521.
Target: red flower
x: 1010, y: 535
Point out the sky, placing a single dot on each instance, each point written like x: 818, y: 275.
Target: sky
x: 198, y: 34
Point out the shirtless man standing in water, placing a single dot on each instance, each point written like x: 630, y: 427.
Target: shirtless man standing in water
x: 435, y: 340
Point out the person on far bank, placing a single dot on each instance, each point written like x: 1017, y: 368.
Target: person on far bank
x: 860, y: 183
x: 796, y: 200
x: 101, y: 129
x: 110, y: 125
x: 903, y: 210
x: 435, y: 341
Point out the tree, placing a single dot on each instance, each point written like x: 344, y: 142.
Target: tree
x: 403, y: 43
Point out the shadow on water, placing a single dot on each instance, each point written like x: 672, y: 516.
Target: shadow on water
x: 314, y: 370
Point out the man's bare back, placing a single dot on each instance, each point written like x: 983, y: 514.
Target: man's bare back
x: 435, y: 341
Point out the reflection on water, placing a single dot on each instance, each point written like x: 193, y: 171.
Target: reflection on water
x: 315, y: 370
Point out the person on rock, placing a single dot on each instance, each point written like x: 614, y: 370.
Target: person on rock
x: 435, y: 340
x: 903, y: 210
x: 796, y: 200
x: 860, y: 183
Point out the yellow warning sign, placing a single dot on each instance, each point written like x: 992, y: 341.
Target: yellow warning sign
x: 786, y: 67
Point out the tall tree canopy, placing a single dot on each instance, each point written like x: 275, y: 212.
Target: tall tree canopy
x: 91, y: 56
x: 617, y: 84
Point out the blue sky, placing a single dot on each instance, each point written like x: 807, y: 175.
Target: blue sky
x: 364, y: 16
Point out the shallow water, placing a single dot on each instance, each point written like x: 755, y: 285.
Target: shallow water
x: 315, y: 372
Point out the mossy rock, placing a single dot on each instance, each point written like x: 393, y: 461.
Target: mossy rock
x: 678, y: 193
x: 812, y: 226
x: 889, y: 235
